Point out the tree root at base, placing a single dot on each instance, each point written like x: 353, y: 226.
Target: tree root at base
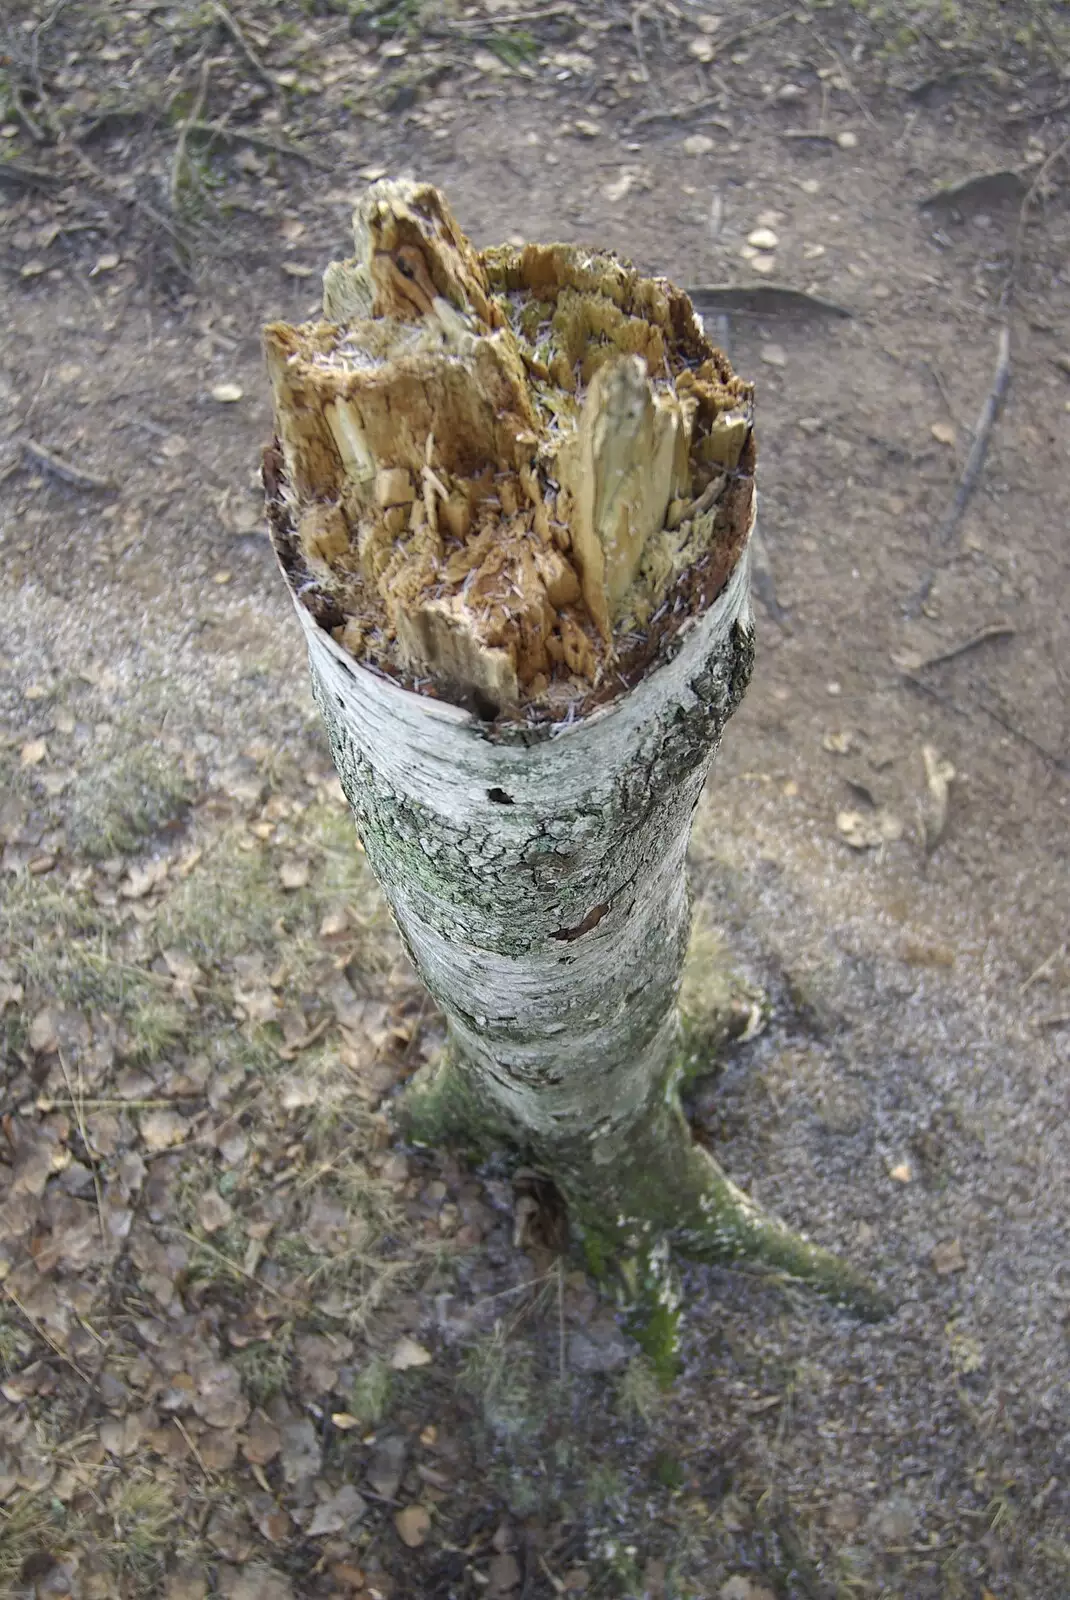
x: 661, y: 1199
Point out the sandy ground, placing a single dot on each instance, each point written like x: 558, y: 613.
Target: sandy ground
x: 907, y: 1103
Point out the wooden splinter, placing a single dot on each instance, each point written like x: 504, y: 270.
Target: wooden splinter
x: 504, y: 472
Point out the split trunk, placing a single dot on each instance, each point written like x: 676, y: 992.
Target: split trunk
x: 511, y: 494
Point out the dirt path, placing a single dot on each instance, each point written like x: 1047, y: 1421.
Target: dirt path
x: 359, y: 1370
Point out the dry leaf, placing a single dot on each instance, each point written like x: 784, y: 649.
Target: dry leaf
x: 219, y: 1400
x: 337, y: 1511
x: 302, y: 1453
x: 43, y: 1038
x: 255, y: 1582
x: 319, y: 1357
x: 387, y: 1465
x: 262, y: 1441
x: 408, y: 1353
x: 121, y: 1436
x: 413, y: 1525
x: 162, y: 1129
x: 213, y: 1212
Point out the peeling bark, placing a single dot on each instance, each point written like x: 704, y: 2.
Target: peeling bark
x: 532, y: 849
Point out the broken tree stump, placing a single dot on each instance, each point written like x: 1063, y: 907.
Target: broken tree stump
x: 511, y: 494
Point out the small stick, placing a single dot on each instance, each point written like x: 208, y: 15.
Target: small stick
x: 971, y: 472
x: 258, y: 141
x: 1060, y: 763
x: 41, y: 1334
x: 77, y: 477
x: 1038, y: 972
x: 679, y: 113
x: 233, y: 27
x: 196, y: 1454
x: 79, y: 1117
x: 180, y: 160
x: 997, y: 630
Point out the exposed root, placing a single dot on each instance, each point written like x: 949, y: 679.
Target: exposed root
x: 661, y: 1198
x: 668, y: 1188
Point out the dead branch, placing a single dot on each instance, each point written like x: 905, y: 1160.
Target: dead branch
x: 975, y: 461
x: 66, y: 471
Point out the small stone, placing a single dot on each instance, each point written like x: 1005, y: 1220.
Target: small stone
x: 763, y: 239
x: 586, y: 128
x: 764, y: 264
x: 32, y: 754
x: 789, y: 94
x: 702, y: 48
x: 902, y: 1172
x: 944, y: 432
x: 698, y: 144
x: 774, y: 355
x: 947, y: 1257
x: 847, y: 140
x: 810, y: 425
x: 227, y: 393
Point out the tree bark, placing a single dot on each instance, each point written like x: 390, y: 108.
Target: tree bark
x: 535, y: 864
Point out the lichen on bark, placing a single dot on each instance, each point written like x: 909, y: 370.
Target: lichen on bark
x: 548, y: 421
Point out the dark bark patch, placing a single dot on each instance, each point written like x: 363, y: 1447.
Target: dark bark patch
x: 591, y: 920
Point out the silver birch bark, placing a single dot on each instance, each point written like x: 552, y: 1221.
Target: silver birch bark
x: 535, y: 868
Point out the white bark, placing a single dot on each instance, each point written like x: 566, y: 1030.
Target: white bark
x: 541, y: 888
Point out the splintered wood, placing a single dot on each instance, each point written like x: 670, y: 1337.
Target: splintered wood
x: 506, y: 477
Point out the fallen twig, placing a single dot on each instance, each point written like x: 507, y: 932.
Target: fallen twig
x: 79, y: 1117
x: 809, y: 136
x: 42, y: 1333
x: 996, y: 630
x: 1060, y: 763
x: 971, y: 472
x: 680, y: 113
x: 16, y: 172
x: 1023, y: 219
x: 233, y: 27
x: 181, y: 172
x: 1048, y: 962
x: 77, y: 477
x: 258, y: 141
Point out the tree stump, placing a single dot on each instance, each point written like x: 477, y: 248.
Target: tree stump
x: 511, y: 494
